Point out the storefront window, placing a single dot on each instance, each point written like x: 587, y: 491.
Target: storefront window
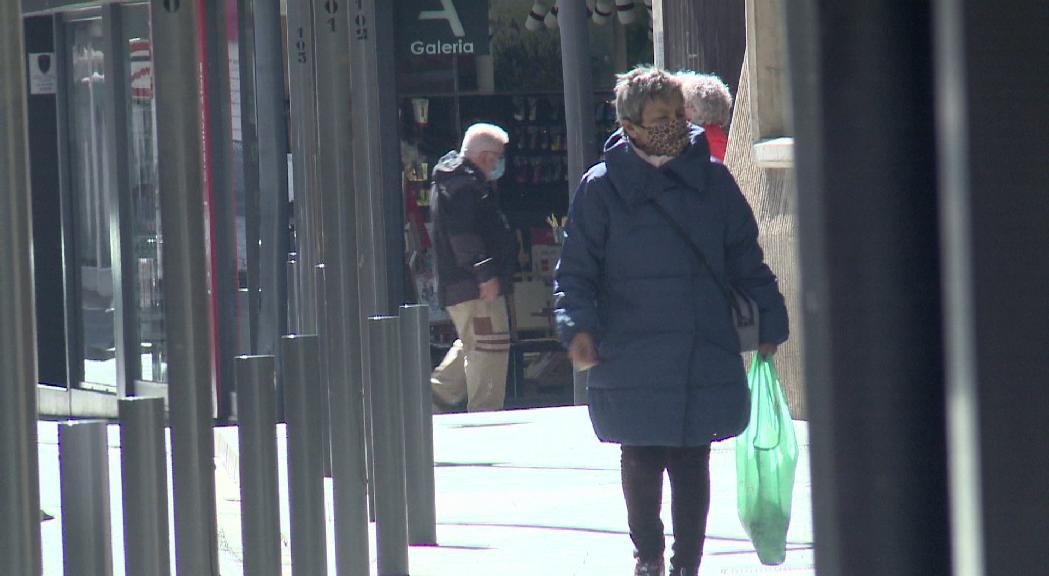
x: 514, y: 80
x: 427, y: 75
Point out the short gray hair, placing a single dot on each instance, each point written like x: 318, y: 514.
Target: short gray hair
x: 483, y: 137
x: 635, y: 89
x: 707, y: 98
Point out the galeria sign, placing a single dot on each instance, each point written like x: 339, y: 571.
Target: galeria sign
x: 443, y: 27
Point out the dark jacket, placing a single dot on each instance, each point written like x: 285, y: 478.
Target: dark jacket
x: 671, y: 373
x: 471, y: 237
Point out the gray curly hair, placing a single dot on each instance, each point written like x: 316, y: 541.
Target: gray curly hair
x: 636, y: 88
x: 707, y: 98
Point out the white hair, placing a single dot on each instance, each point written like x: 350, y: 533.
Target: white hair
x: 483, y: 137
x: 707, y: 98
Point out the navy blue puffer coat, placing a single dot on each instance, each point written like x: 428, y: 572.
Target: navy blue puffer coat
x: 670, y: 372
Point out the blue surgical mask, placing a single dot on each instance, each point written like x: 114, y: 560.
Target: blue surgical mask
x: 499, y: 170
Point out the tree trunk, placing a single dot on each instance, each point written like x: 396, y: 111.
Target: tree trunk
x: 771, y: 194
x: 707, y: 36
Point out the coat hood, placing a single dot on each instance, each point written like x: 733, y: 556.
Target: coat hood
x: 636, y: 180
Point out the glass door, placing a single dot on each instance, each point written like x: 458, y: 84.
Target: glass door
x: 111, y: 187
x: 147, y: 236
x: 90, y: 182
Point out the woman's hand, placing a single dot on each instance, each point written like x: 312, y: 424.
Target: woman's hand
x: 583, y: 352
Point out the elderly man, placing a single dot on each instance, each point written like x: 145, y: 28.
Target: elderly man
x: 653, y: 234
x: 475, y: 259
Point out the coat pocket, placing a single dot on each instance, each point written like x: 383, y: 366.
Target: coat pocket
x: 655, y: 361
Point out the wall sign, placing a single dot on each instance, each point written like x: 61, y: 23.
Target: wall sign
x: 443, y: 27
x: 42, y: 77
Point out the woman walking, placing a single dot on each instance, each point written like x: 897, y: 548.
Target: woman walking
x: 638, y: 308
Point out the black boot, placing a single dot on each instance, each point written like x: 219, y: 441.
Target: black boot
x: 652, y: 568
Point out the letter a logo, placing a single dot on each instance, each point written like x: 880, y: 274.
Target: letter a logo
x: 447, y: 13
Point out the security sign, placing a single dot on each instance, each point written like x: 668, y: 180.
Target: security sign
x: 443, y: 27
x: 42, y: 77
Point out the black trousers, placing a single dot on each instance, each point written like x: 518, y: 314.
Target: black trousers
x: 642, y: 473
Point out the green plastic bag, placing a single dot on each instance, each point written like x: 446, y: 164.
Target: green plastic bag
x: 766, y: 456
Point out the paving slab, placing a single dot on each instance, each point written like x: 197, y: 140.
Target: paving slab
x: 534, y: 492
x: 517, y: 492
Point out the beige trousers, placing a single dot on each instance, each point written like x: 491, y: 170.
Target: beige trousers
x: 475, y: 368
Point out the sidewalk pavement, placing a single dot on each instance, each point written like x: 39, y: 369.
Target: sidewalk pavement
x: 518, y: 492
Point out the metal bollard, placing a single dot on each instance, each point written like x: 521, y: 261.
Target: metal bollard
x: 257, y: 434
x: 187, y: 321
x: 291, y: 271
x: 20, y: 484
x: 346, y: 403
x: 418, y: 425
x: 391, y: 525
x: 247, y: 324
x: 84, y: 470
x: 578, y: 89
x: 305, y: 470
x: 321, y: 303
x: 144, y: 486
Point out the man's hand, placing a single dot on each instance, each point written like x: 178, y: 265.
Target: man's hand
x: 582, y: 352
x: 489, y: 290
x: 767, y: 350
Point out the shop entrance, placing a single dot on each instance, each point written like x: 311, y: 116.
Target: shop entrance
x: 96, y: 213
x: 516, y: 83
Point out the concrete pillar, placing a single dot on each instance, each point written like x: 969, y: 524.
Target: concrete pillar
x: 767, y: 67
x: 869, y: 242
x: 990, y: 67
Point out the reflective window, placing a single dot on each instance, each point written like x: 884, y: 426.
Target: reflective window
x: 90, y: 183
x: 145, y: 198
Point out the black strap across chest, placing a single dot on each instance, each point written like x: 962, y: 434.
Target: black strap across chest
x: 728, y: 292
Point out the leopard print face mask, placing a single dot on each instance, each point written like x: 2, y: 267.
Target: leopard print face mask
x: 668, y: 138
